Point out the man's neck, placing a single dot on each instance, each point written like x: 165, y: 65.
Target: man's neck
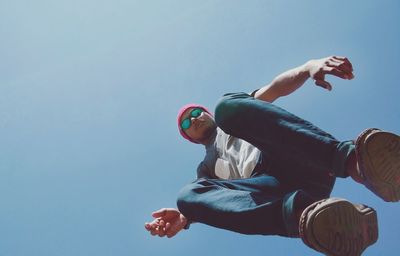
x: 209, y: 138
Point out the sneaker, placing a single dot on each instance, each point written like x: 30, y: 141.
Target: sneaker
x: 337, y: 227
x: 378, y: 157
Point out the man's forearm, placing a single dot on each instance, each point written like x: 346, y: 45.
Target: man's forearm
x: 284, y: 84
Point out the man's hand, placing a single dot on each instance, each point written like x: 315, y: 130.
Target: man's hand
x: 168, y: 222
x: 333, y: 65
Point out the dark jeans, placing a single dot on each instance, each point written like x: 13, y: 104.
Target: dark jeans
x: 299, y: 165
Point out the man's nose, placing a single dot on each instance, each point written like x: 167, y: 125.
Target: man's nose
x: 196, y: 119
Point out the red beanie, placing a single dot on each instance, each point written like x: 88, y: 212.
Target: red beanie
x: 179, y: 119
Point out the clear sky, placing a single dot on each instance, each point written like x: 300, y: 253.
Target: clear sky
x: 89, y: 92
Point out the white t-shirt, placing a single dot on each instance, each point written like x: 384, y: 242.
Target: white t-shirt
x: 228, y: 157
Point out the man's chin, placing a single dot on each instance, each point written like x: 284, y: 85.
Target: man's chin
x: 207, y: 135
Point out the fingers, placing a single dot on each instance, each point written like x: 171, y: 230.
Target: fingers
x: 154, y: 230
x: 160, y: 231
x: 324, y: 84
x: 160, y: 213
x: 157, y: 227
x: 345, y: 60
x: 335, y: 65
x: 342, y: 65
x: 336, y: 72
x: 172, y: 231
x: 161, y: 228
x: 166, y: 213
x: 167, y: 226
x: 152, y: 225
x: 176, y: 226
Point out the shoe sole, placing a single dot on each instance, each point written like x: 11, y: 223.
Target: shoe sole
x: 379, y: 158
x: 336, y: 227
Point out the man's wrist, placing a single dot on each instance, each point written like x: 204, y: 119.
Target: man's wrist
x: 307, y: 67
x: 185, y: 221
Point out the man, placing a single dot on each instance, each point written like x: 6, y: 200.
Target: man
x: 267, y: 171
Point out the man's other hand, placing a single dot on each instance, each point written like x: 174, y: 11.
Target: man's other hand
x: 168, y: 222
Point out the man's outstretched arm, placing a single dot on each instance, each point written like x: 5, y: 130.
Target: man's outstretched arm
x: 289, y: 81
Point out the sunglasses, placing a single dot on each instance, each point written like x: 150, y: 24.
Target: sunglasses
x: 186, y: 123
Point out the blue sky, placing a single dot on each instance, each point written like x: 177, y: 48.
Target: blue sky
x: 89, y: 92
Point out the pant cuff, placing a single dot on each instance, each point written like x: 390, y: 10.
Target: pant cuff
x: 292, y: 204
x: 344, y: 149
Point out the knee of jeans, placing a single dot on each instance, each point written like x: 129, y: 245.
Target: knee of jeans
x: 185, y: 201
x: 228, y: 109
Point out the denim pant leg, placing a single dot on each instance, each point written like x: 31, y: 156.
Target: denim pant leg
x: 257, y: 205
x: 273, y: 129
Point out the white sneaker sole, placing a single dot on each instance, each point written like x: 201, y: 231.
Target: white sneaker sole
x: 337, y: 227
x: 378, y: 155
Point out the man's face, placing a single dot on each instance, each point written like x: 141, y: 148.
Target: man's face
x: 201, y: 127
